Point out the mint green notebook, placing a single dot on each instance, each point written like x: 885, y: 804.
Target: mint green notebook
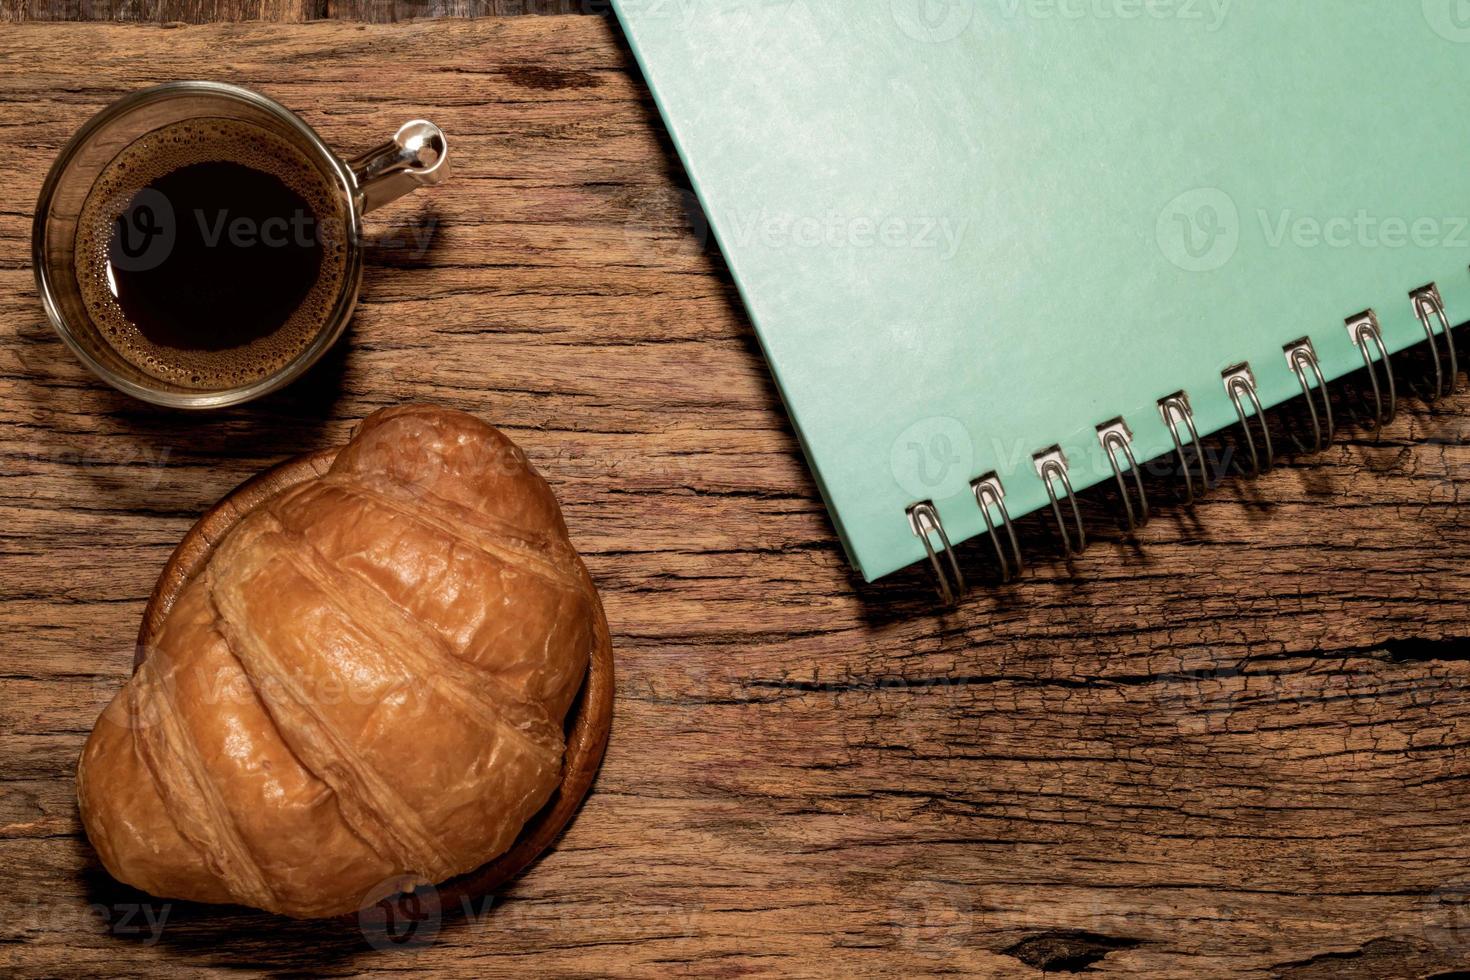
x: 970, y: 231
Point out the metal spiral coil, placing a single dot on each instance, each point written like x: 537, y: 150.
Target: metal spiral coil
x: 1429, y: 308
x: 925, y: 522
x: 1116, y: 437
x: 1240, y: 385
x: 1302, y: 357
x: 1380, y: 399
x: 1051, y: 466
x: 1174, y: 409
x: 990, y: 496
x: 1367, y: 336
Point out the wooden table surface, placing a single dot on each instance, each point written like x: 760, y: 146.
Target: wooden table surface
x: 1239, y: 748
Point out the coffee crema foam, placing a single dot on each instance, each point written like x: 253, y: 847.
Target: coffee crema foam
x: 173, y: 147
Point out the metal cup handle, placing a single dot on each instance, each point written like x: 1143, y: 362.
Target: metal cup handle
x: 417, y: 156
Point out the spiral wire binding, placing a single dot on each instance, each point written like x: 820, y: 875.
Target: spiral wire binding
x: 1051, y: 466
x: 1116, y: 437
x: 1364, y: 330
x: 924, y: 519
x: 1240, y: 384
x: 1302, y: 357
x: 990, y: 494
x: 1367, y: 336
x: 1174, y: 408
x: 1429, y: 307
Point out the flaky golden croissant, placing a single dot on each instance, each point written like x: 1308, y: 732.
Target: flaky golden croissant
x: 362, y: 690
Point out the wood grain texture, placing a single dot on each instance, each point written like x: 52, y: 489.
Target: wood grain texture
x: 1240, y: 747
x: 162, y: 11
x: 395, y: 11
x: 283, y: 11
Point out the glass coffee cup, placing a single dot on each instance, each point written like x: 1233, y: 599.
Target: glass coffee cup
x: 63, y: 240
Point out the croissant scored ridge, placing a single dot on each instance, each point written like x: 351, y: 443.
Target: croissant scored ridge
x: 363, y: 689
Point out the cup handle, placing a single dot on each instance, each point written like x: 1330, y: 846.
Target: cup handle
x: 416, y: 156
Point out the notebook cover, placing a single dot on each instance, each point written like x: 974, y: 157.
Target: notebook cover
x: 968, y: 231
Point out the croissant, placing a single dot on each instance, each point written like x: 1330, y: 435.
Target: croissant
x: 362, y: 690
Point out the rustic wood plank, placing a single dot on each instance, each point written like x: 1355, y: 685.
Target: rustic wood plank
x: 162, y: 11
x: 395, y: 11
x: 1240, y: 748
x: 283, y: 11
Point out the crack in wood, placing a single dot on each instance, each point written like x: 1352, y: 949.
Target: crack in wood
x: 1382, y: 957
x: 1066, y: 951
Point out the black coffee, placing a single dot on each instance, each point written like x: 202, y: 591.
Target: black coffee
x: 211, y: 252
